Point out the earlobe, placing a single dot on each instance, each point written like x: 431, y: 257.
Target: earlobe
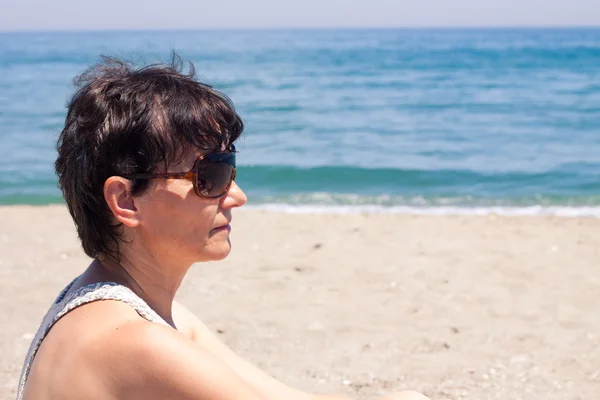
x: 117, y: 193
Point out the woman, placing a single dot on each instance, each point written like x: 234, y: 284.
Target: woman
x: 146, y: 163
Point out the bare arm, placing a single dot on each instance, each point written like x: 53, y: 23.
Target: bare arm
x: 269, y: 387
x: 264, y: 384
x: 149, y: 361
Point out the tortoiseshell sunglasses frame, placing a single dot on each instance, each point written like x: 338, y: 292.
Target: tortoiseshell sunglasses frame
x: 227, y: 158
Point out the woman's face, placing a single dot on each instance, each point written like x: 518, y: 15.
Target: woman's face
x: 175, y: 222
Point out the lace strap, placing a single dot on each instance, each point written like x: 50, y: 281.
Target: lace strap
x: 108, y: 291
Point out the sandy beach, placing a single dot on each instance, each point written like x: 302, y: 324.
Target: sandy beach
x: 461, y: 307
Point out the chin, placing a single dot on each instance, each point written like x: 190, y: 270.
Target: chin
x: 219, y: 252
x: 220, y: 256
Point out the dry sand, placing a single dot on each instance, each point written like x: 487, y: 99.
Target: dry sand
x: 481, y: 307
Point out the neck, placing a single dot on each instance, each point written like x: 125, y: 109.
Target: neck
x: 154, y: 280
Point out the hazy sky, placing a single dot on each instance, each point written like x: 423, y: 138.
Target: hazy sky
x: 201, y: 14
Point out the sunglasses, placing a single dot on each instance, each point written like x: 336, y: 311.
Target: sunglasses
x: 211, y: 174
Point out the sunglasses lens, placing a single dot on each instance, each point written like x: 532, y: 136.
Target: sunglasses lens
x: 214, y: 179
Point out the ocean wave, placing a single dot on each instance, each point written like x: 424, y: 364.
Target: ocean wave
x: 380, y: 182
x: 421, y: 205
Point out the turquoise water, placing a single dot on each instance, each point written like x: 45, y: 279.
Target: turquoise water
x: 436, y: 121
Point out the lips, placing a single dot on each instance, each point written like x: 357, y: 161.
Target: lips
x: 223, y: 228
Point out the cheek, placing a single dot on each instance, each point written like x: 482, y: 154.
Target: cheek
x: 198, y: 231
x: 178, y: 218
x: 198, y: 223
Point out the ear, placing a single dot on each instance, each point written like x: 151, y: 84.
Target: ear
x: 117, y: 193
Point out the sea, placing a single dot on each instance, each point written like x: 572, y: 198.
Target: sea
x: 422, y: 121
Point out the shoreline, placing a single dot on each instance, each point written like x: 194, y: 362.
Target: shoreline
x: 560, y: 211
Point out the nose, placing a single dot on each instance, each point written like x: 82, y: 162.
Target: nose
x: 235, y: 197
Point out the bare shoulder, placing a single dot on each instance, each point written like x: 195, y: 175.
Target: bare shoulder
x: 149, y: 361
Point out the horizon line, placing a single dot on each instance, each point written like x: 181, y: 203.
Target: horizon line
x: 304, y: 28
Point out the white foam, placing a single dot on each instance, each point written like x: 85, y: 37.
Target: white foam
x: 557, y: 211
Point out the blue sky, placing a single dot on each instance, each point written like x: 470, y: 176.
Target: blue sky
x: 42, y: 15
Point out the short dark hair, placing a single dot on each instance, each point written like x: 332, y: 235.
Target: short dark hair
x: 124, y: 120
